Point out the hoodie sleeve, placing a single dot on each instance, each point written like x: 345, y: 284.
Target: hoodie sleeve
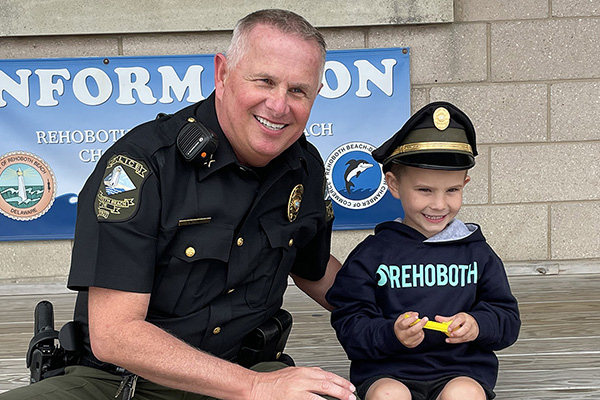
x: 360, y: 325
x: 496, y: 310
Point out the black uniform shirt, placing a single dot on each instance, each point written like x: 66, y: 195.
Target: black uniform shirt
x: 213, y: 244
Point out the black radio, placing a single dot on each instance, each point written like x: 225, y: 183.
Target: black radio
x: 195, y: 142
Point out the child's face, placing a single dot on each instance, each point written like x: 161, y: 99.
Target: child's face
x: 430, y: 198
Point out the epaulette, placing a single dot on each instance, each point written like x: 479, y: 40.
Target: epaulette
x: 311, y: 149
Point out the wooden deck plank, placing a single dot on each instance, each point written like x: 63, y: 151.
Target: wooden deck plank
x: 557, y: 354
x: 568, y: 394
x: 13, y: 373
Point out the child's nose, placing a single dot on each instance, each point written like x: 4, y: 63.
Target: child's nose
x: 438, y: 202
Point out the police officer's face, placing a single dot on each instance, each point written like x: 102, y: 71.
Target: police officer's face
x: 430, y: 198
x: 263, y: 103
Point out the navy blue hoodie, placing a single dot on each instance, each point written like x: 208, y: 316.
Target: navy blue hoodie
x: 398, y: 270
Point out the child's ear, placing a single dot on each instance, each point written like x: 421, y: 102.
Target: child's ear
x: 392, y: 184
x: 467, y: 180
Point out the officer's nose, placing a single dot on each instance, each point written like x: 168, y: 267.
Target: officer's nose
x: 277, y: 102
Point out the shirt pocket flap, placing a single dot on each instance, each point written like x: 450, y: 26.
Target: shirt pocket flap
x: 297, y: 233
x: 204, y: 241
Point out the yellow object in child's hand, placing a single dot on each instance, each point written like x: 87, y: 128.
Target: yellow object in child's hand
x: 436, y: 326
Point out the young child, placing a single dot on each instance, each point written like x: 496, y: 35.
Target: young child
x: 428, y: 265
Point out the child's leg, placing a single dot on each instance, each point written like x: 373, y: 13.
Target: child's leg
x: 462, y: 388
x: 386, y: 388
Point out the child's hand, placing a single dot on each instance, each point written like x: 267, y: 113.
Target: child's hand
x: 410, y: 336
x: 463, y: 328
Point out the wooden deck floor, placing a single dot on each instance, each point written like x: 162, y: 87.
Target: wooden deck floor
x: 557, y: 354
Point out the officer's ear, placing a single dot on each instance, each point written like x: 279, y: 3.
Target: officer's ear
x: 221, y: 72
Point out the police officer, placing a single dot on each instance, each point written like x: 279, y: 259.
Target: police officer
x: 190, y: 225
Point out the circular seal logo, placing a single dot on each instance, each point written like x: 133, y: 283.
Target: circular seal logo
x: 354, y: 179
x: 27, y: 186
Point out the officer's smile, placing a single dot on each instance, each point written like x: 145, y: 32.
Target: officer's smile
x: 270, y: 125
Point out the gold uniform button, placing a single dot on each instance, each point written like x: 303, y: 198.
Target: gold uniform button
x: 190, y: 251
x: 217, y: 330
x: 240, y: 242
x: 291, y: 242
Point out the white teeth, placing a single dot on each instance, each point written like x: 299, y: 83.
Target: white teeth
x: 433, y: 216
x: 270, y: 125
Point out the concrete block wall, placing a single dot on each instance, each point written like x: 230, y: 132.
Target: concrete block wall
x: 527, y: 72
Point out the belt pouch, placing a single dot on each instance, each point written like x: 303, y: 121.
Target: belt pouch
x: 267, y: 341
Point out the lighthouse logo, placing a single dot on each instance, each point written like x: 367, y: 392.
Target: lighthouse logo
x: 27, y: 186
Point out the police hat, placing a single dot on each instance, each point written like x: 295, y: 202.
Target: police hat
x: 438, y: 136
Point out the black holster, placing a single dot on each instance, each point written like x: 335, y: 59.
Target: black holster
x: 266, y: 343
x: 50, y: 351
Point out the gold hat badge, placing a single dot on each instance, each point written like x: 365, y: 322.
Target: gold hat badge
x: 294, y: 202
x: 441, y: 118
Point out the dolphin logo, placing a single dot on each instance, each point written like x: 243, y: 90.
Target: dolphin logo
x: 355, y: 168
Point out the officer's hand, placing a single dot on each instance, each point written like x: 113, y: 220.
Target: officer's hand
x: 410, y: 336
x: 464, y: 328
x: 300, y: 383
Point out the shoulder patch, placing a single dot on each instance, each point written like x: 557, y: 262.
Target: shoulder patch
x: 118, y: 195
x: 329, y: 215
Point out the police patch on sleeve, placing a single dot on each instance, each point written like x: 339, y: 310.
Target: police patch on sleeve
x: 118, y: 195
x: 329, y: 216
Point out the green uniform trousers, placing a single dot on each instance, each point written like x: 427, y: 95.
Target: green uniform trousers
x: 85, y: 383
